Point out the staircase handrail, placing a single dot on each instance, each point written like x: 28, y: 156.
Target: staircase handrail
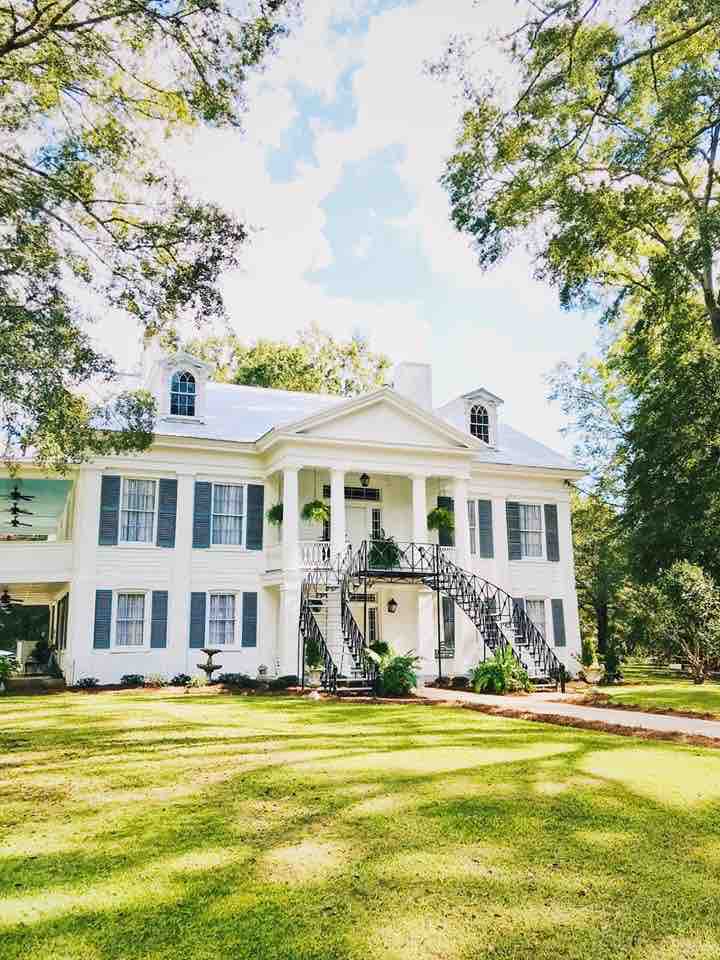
x: 309, y: 627
x: 349, y: 572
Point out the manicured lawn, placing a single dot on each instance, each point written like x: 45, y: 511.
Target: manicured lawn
x: 186, y: 827
x: 674, y: 694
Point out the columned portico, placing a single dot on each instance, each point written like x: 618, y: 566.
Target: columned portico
x: 337, y: 513
x: 462, y: 532
x: 419, y: 508
x: 291, y: 519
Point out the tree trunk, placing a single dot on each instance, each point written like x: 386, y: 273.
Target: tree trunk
x: 602, y: 628
x: 715, y: 320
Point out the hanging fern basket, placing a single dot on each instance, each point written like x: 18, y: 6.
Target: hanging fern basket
x: 275, y: 515
x: 441, y: 519
x: 316, y: 511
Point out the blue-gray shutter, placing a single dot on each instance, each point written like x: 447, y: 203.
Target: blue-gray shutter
x: 485, y: 529
x: 255, y: 516
x: 167, y: 513
x: 558, y: 616
x: 103, y: 619
x: 513, y: 530
x: 197, y: 620
x: 552, y: 540
x: 109, y: 511
x: 201, y: 514
x: 249, y: 620
x: 158, y: 622
x: 446, y: 538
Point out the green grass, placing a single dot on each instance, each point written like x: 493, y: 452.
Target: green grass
x: 161, y: 826
x: 681, y: 695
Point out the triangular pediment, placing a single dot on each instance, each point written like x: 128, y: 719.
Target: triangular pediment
x: 385, y: 418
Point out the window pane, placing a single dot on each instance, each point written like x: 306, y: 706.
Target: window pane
x: 222, y: 619
x: 536, y: 612
x: 130, y: 620
x: 473, y: 529
x: 227, y: 519
x: 531, y: 530
x: 138, y: 511
x: 182, y: 395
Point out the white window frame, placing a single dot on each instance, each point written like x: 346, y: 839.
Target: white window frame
x: 378, y: 626
x: 478, y: 404
x: 239, y: 604
x: 543, y: 553
x: 243, y: 532
x: 156, y: 499
x: 473, y: 527
x: 182, y: 416
x: 543, y: 601
x: 147, y: 620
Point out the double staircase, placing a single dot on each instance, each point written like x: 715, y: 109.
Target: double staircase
x: 327, y: 622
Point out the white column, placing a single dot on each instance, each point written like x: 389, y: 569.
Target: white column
x: 291, y: 517
x: 337, y: 512
x: 289, y: 622
x: 419, y: 508
x: 83, y: 585
x: 462, y: 528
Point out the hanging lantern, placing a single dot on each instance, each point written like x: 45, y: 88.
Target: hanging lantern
x: 364, y: 480
x: 392, y: 606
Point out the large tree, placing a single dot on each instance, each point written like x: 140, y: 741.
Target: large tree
x: 316, y: 362
x: 606, y: 153
x: 89, y: 89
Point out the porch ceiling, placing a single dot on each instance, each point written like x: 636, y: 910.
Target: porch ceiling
x: 34, y: 594
x: 50, y: 497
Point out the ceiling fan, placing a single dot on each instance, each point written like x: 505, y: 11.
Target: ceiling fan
x: 15, y: 495
x: 7, y: 602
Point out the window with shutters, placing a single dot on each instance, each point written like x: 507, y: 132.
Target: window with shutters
x: 472, y: 523
x: 138, y: 510
x: 222, y: 620
x: 228, y: 514
x: 182, y: 394
x: 131, y: 611
x: 531, y: 531
x: 535, y: 610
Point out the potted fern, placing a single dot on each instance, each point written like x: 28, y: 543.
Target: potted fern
x: 384, y: 553
x: 316, y: 511
x: 441, y: 519
x: 275, y: 515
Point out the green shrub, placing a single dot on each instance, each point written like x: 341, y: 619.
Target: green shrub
x: 380, y: 648
x: 384, y: 554
x: 8, y: 666
x: 154, y: 680
x: 587, y: 651
x: 181, y: 680
x: 313, y: 655
x: 460, y: 683
x: 132, y: 680
x: 282, y: 683
x: 398, y: 673
x: 240, y: 680
x: 502, y: 674
x: 87, y: 683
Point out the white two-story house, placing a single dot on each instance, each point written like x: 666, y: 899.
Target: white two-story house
x: 147, y: 560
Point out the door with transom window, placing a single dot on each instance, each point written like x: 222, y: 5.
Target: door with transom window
x: 362, y: 522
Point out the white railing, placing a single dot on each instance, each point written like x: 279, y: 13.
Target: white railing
x: 315, y: 553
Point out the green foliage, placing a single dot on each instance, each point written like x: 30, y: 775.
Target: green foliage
x: 398, y: 673
x: 384, y: 553
x: 87, y: 683
x: 609, y: 148
x: 501, y: 674
x: 155, y: 680
x: 284, y: 682
x: 313, y: 655
x: 240, y: 680
x: 316, y: 511
x: 317, y: 363
x: 684, y: 618
x: 380, y: 648
x: 588, y: 652
x: 275, y: 514
x: 181, y: 680
x: 26, y: 622
x: 8, y: 667
x: 89, y: 210
x: 440, y: 518
x: 132, y: 680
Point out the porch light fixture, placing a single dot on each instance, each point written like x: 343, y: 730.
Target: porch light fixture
x: 392, y: 605
x: 364, y: 480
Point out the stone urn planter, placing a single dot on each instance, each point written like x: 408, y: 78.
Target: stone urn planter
x: 594, y: 673
x: 314, y: 676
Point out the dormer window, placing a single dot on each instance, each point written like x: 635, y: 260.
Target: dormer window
x: 182, y: 395
x: 480, y: 422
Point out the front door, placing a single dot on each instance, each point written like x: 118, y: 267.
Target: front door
x: 362, y: 523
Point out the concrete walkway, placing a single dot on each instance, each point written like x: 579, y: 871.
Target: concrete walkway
x: 557, y: 705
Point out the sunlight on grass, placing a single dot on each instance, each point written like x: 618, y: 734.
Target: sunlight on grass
x: 143, y: 826
x: 679, y: 695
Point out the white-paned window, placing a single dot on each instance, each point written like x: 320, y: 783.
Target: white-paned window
x: 377, y: 528
x: 137, y: 510
x: 480, y: 422
x: 130, y: 620
x: 221, y: 619
x: 535, y: 610
x: 531, y: 530
x: 182, y: 394
x: 228, y: 513
x: 472, y: 522
x: 373, y: 632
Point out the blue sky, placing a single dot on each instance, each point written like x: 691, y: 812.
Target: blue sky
x: 338, y: 169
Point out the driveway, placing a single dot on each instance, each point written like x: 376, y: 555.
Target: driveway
x: 556, y: 705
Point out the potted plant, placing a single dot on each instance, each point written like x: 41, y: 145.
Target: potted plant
x: 316, y: 511
x: 441, y: 519
x: 313, y: 662
x: 275, y: 515
x: 384, y: 553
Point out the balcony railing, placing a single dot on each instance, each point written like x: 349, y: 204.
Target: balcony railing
x: 315, y: 554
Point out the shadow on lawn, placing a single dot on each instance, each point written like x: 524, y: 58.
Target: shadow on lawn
x: 353, y: 831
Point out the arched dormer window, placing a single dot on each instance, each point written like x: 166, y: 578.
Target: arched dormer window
x: 182, y: 395
x: 480, y: 422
